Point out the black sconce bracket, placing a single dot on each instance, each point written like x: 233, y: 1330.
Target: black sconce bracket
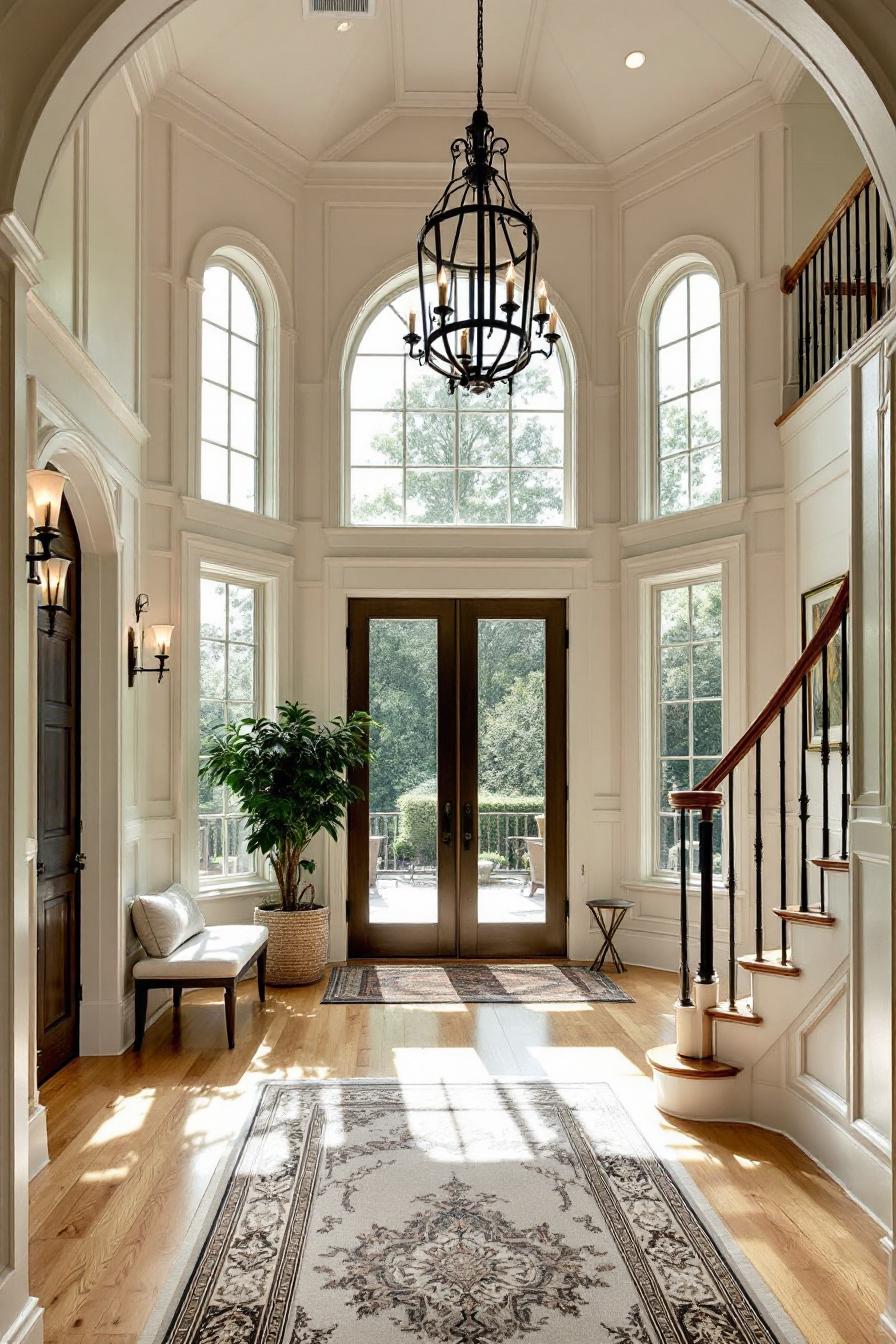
x: 135, y: 647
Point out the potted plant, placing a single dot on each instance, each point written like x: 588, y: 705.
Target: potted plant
x: 487, y: 863
x: 289, y: 775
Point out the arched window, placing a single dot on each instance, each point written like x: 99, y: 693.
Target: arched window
x: 416, y: 455
x: 687, y: 372
x: 230, y: 423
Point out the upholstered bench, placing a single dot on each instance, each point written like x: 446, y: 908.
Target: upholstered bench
x: 183, y: 953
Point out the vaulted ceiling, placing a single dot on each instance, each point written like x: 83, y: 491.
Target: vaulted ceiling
x: 555, y: 67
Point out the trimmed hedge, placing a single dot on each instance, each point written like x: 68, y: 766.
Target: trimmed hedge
x: 418, y: 818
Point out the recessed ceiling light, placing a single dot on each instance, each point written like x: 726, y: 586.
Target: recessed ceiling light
x: 635, y: 59
x: 344, y: 26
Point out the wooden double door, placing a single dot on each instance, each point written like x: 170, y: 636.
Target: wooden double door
x: 458, y: 847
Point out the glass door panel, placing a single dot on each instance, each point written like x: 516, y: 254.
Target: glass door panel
x: 511, y: 749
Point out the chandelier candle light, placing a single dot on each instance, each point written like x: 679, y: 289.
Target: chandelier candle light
x: 483, y: 247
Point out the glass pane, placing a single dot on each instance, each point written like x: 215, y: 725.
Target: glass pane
x: 483, y: 497
x: 674, y: 673
x: 214, y: 413
x: 706, y: 416
x: 377, y: 438
x: 238, y: 858
x: 211, y: 846
x: 377, y: 382
x: 243, y: 476
x: 706, y: 358
x: 431, y: 440
x: 704, y: 300
x: 214, y: 294
x: 243, y: 424
x: 241, y: 672
x: 210, y: 796
x: 214, y: 354
x: 707, y: 727
x: 241, y: 613
x: 668, y: 844
x: 675, y: 730
x: 539, y: 387
x: 511, y: 835
x: 673, y: 485
x: 537, y: 440
x: 673, y: 320
x: 673, y: 427
x: 385, y: 332
x: 213, y: 473
x: 674, y: 617
x: 212, y: 717
x: 426, y: 389
x: 212, y: 678
x: 377, y: 495
x: 674, y: 774
x: 536, y: 497
x: 243, y: 366
x: 403, y: 843
x: 706, y: 477
x: 672, y: 376
x: 707, y: 670
x: 484, y: 440
x: 212, y: 609
x: 706, y: 607
x: 430, y: 497
x: 243, y: 312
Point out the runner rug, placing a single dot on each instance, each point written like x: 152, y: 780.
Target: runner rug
x: 471, y: 982
x: 372, y: 1212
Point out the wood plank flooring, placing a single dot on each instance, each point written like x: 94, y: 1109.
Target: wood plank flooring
x: 135, y: 1140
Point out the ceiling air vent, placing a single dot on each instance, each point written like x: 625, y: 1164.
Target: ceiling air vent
x: 339, y: 9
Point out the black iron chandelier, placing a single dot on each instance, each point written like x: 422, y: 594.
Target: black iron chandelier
x: 484, y: 251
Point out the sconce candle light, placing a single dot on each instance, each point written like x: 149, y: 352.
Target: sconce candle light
x: 52, y: 576
x: 161, y: 637
x: 45, y: 490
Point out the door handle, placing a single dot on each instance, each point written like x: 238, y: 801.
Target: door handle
x: 80, y: 863
x: 41, y: 868
x: 446, y: 824
x: 468, y: 825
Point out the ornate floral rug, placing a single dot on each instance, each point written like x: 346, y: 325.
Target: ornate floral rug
x: 471, y: 982
x: 371, y: 1212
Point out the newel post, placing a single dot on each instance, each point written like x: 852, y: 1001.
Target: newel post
x: 693, y: 1029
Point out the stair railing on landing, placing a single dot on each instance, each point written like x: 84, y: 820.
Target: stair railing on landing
x: 707, y: 799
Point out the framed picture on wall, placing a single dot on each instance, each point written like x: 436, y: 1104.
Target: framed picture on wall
x: 816, y: 604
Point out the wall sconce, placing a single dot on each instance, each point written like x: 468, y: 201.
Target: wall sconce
x: 45, y: 490
x: 52, y: 574
x: 161, y: 636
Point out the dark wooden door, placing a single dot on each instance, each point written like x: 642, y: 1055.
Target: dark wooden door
x: 59, y: 819
x: 457, y: 847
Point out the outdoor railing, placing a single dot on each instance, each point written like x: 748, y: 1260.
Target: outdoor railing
x: 503, y: 833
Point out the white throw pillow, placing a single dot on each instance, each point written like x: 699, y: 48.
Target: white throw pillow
x: 165, y: 920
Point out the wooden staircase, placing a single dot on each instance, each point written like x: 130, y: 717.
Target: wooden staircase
x: 706, y: 1073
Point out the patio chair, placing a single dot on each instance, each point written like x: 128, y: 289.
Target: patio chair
x: 535, y: 850
x: 375, y: 844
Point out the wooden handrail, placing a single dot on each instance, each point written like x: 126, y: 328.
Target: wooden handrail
x: 790, y: 277
x: 684, y: 799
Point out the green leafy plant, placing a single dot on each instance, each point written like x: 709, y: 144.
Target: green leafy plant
x: 290, y: 777
x: 496, y: 860
x: 405, y: 850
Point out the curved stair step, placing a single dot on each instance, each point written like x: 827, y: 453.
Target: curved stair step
x: 771, y: 964
x: 664, y: 1059
x: 742, y: 1013
x: 796, y: 916
x: 832, y: 865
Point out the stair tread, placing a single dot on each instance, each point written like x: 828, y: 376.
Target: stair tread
x: 771, y: 964
x: 832, y: 865
x: 794, y: 915
x: 742, y: 1013
x: 665, y: 1059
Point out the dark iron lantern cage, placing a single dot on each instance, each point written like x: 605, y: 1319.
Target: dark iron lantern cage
x: 483, y: 249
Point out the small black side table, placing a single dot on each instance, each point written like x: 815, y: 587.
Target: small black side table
x: 617, y: 908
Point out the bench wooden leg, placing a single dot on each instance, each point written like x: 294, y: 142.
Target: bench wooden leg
x: 230, y: 1013
x: 178, y: 994
x: 141, y: 995
x: 262, y: 970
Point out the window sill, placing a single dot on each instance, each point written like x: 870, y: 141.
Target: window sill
x: 259, y: 526
x: 225, y: 891
x: 371, y: 540
x: 672, y: 887
x: 692, y: 521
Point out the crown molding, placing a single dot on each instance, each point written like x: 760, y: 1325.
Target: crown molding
x: 153, y: 64
x: 21, y: 246
x: 345, y: 146
x: 779, y: 71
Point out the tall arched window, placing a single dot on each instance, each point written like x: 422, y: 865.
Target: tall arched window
x: 231, y: 376
x: 687, y: 370
x: 416, y: 455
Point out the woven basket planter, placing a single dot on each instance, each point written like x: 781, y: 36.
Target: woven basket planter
x: 297, y: 944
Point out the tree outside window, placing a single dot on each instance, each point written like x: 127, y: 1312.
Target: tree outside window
x: 689, y: 395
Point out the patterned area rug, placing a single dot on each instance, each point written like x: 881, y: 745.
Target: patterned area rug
x: 471, y: 982
x: 370, y: 1212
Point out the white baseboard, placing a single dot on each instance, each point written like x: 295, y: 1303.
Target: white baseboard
x: 108, y: 1028
x: 38, y: 1151
x: 28, y: 1327
x: 888, y: 1326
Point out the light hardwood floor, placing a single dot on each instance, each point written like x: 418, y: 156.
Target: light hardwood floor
x: 135, y: 1140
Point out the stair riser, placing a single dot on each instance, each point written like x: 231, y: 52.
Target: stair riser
x: 715, y: 1099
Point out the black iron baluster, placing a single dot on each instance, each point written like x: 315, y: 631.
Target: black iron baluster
x: 684, y: 997
x: 857, y: 262
x: 888, y: 257
x: 818, y: 268
x: 840, y: 347
x: 804, y: 798
x: 844, y: 741
x: 782, y: 804
x: 846, y: 276
x: 758, y: 850
x: 807, y: 334
x: 825, y: 761
x: 831, y: 356
x: 732, y: 940
x: 800, y: 338
x: 706, y: 971
x: 878, y: 258
x: 866, y: 197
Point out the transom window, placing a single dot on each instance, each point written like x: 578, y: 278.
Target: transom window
x: 417, y: 455
x: 228, y: 691
x: 688, y: 642
x: 689, y: 395
x: 231, y: 351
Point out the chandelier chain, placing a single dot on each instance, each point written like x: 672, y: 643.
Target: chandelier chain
x: 479, y: 46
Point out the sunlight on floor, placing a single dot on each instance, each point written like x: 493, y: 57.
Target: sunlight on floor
x: 129, y: 1117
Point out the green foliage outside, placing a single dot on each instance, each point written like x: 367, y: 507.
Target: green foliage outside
x: 419, y: 818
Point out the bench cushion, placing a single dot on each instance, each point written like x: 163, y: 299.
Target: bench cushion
x: 166, y: 919
x: 215, y: 953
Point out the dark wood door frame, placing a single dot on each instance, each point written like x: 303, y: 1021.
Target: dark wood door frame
x: 59, y: 820
x: 458, y: 932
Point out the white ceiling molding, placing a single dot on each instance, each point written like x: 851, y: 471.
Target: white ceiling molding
x: 344, y: 148
x: 531, y: 47
x: 154, y: 63
x: 181, y: 92
x: 780, y: 72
